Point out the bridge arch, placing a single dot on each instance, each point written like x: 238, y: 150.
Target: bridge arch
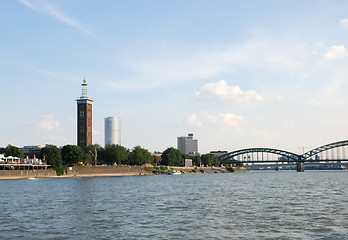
x: 288, y: 156
x: 316, y: 151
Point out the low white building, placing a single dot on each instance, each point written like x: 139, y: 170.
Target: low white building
x: 188, y: 163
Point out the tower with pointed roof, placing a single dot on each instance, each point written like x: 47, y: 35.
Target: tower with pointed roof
x: 84, y: 118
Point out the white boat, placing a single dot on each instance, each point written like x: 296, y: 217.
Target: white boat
x: 31, y: 178
x: 175, y: 172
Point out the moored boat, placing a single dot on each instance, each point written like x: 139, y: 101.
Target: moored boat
x: 175, y: 172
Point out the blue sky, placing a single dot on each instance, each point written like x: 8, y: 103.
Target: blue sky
x: 236, y: 74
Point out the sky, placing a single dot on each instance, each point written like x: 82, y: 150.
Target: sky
x: 236, y: 74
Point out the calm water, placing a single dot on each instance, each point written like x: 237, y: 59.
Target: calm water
x: 253, y: 205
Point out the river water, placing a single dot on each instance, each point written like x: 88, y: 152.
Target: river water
x: 252, y: 205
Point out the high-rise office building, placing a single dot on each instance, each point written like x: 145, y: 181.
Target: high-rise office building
x: 112, y: 130
x: 84, y: 118
x: 188, y: 145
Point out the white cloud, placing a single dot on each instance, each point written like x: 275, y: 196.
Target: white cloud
x: 223, y: 121
x: 198, y: 63
x: 48, y: 122
x: 335, y: 52
x: 344, y: 23
x: 193, y: 120
x: 266, y: 133
x: 231, y: 121
x: 290, y: 123
x: 227, y: 94
x: 48, y: 9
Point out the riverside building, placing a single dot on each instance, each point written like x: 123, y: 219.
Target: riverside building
x: 32, y: 151
x: 188, y: 145
x: 84, y: 118
x: 112, y: 132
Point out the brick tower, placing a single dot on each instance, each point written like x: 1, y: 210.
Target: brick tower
x: 84, y: 118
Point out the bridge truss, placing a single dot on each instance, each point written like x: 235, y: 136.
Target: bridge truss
x: 315, y: 152
x: 255, y: 155
x: 262, y: 155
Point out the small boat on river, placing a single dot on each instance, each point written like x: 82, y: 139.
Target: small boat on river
x: 175, y: 172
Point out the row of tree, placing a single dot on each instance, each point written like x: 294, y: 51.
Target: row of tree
x: 173, y: 157
x: 95, y: 154
x: 110, y: 155
x: 12, y: 151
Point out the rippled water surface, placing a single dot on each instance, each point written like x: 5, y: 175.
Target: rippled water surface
x: 253, y: 205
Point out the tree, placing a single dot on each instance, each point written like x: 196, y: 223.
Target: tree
x: 186, y: 156
x: 71, y: 154
x: 209, y: 159
x: 88, y: 159
x: 140, y: 156
x: 52, y: 155
x: 14, y: 151
x: 197, y: 160
x: 171, y: 157
x: 112, y: 154
x: 2, y: 150
x: 93, y: 150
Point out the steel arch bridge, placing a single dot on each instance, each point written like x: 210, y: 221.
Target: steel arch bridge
x: 260, y: 157
x: 316, y: 151
x: 248, y: 155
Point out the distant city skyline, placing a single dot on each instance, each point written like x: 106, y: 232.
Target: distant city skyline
x: 237, y: 74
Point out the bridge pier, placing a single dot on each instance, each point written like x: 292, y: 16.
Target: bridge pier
x: 300, y: 166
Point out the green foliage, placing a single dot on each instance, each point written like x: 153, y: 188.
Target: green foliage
x: 87, y: 158
x: 71, y: 154
x: 197, y: 160
x: 148, y: 169
x: 2, y: 150
x: 186, y: 156
x: 52, y: 155
x: 140, y: 156
x: 93, y: 150
x: 171, y: 157
x: 240, y: 164
x: 13, y: 151
x: 210, y: 159
x: 112, y: 154
x: 194, y: 170
x: 61, y: 170
x: 164, y: 168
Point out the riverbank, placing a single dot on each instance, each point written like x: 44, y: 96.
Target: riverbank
x: 75, y: 171
x: 105, y: 171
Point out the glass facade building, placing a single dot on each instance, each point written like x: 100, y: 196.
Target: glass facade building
x: 112, y: 130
